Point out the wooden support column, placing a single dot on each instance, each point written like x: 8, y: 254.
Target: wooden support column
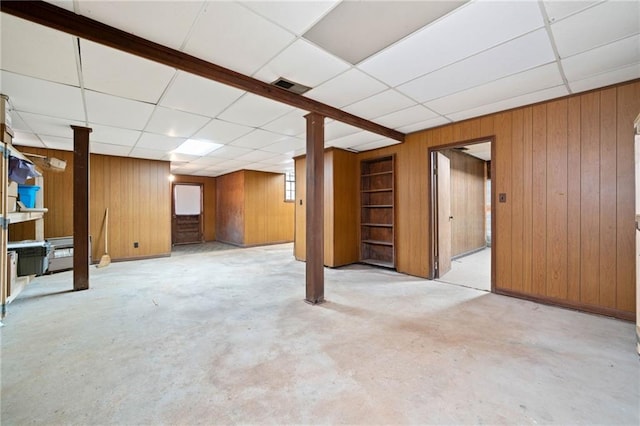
x: 315, y: 208
x: 80, y: 207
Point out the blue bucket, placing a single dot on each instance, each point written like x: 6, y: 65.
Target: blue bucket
x: 27, y: 194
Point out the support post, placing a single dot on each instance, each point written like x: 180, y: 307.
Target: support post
x: 80, y: 207
x: 315, y: 209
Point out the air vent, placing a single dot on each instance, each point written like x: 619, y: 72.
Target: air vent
x: 290, y: 86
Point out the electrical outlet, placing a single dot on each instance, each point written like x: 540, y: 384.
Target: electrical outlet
x: 502, y: 198
x: 135, y: 244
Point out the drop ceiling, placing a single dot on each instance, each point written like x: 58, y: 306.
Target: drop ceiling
x: 441, y: 63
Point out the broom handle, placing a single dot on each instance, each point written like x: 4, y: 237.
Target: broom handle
x: 106, y: 231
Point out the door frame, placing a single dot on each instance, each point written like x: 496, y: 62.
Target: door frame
x: 173, y: 209
x: 433, y: 203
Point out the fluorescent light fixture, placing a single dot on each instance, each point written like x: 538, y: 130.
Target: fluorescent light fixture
x: 196, y: 147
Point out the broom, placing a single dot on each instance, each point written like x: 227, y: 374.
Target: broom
x: 105, y: 260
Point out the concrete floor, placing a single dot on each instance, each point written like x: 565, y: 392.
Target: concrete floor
x: 473, y: 270
x: 224, y: 337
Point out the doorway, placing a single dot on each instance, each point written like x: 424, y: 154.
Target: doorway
x: 186, y: 206
x: 461, y: 215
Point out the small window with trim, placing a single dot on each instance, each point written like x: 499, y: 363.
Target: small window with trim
x: 290, y: 186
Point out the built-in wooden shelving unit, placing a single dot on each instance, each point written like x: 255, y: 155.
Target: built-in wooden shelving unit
x: 377, y: 215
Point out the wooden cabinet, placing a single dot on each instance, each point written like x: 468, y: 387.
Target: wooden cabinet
x: 377, y: 212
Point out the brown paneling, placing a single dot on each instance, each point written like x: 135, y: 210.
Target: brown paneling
x: 230, y: 208
x: 208, y: 201
x: 501, y: 177
x: 539, y: 214
x: 556, y: 249
x: 573, y: 200
x: 517, y: 199
x: 300, y: 242
x: 345, y: 191
x: 527, y: 200
x: 628, y: 107
x: 329, y: 208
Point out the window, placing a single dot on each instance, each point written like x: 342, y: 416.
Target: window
x: 290, y: 186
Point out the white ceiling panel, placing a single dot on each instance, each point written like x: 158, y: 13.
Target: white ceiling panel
x: 150, y: 154
x: 51, y: 126
x: 347, y: 88
x: 42, y: 97
x: 282, y: 159
x: 222, y: 131
x: 559, y: 9
x: 117, y: 112
x: 601, y: 24
x: 175, y: 123
x: 359, y: 138
x: 199, y: 95
x: 164, y: 22
x: 380, y: 104
x: 295, y: 16
x: 158, y: 142
x: 256, y: 155
x: 65, y: 4
x: 303, y: 63
x: 606, y: 58
x: 17, y: 123
x: 182, y: 159
x: 26, y: 139
x: 235, y: 37
x: 406, y: 116
x: 528, y: 51
x: 229, y: 152
x: 108, y: 149
x: 519, y: 84
x: 617, y: 76
x: 381, y: 143
x: 121, y: 74
x: 113, y: 135
x: 55, y: 142
x: 255, y: 111
x: 291, y: 124
x: 257, y: 139
x: 449, y: 39
x: 427, y: 124
x: 286, y: 146
x: 514, y: 102
x: 37, y: 51
x: 337, y: 129
x: 207, y: 161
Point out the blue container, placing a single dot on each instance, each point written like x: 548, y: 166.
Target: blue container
x: 27, y: 194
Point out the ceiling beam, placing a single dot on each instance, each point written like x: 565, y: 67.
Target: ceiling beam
x: 61, y: 19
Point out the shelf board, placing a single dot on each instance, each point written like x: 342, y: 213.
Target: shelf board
x: 17, y: 217
x: 390, y: 172
x: 377, y: 190
x: 378, y: 243
x: 377, y: 206
x: 378, y: 225
x: 376, y: 262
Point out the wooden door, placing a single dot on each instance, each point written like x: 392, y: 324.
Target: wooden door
x: 443, y: 214
x: 637, y: 154
x: 186, y: 223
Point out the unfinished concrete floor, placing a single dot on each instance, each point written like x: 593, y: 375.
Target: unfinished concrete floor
x: 224, y: 337
x: 472, y: 270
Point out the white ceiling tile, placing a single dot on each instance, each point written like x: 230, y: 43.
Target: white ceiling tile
x: 121, y: 74
x: 427, y: 124
x: 601, y: 24
x: 158, y: 142
x: 51, y: 126
x: 199, y: 95
x: 469, y: 30
x: 380, y: 104
x: 406, y: 116
x: 295, y: 16
x: 42, y: 97
x: 26, y: 139
x: 257, y: 139
x: 279, y: 160
x: 108, y: 149
x: 253, y: 110
x: 208, y: 161
x: 290, y: 124
x: 612, y: 77
x: 338, y: 129
x: 226, y: 164
x: 164, y: 22
x: 519, y: 84
x: 37, y: 51
x: 286, y: 146
x: 55, y: 142
x: 113, y: 135
x: 175, y: 123
x: 347, y: 88
x: 17, y: 123
x: 149, y: 154
x: 381, y: 143
x: 558, y: 9
x: 222, y: 131
x: 229, y: 152
x: 181, y: 158
x: 232, y: 36
x: 65, y: 4
x: 303, y: 63
x: 528, y: 51
x: 359, y: 138
x: 606, y: 58
x: 256, y: 155
x: 117, y: 112
x: 526, y: 99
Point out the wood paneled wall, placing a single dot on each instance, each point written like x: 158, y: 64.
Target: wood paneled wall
x: 136, y: 191
x: 230, y: 212
x: 467, y: 202
x: 341, y: 191
x: 209, y: 202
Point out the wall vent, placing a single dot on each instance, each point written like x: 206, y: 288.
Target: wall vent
x: 291, y: 86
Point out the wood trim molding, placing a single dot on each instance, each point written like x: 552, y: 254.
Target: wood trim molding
x: 61, y: 19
